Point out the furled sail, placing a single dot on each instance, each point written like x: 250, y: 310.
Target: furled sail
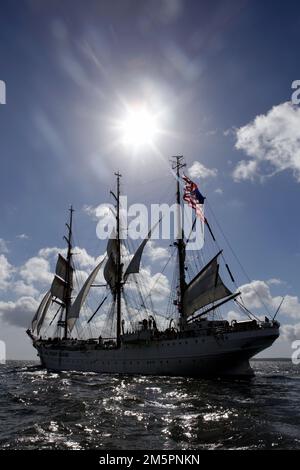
x: 134, y: 265
x: 205, y: 288
x: 78, y: 302
x: 40, y: 310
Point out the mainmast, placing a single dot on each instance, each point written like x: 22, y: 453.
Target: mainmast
x: 178, y: 163
x: 69, y: 287
x: 119, y: 265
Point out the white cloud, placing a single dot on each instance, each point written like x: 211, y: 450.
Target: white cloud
x: 274, y: 282
x: 51, y: 252
x: 26, y: 283
x: 272, y: 142
x: 6, y: 270
x: 36, y: 270
x: 91, y: 211
x: 156, y: 253
x: 291, y: 332
x: 290, y: 306
x: 256, y: 294
x: 232, y: 315
x: 22, y: 289
x: 219, y: 191
x: 22, y: 236
x: 3, y: 246
x: 197, y: 170
x: 155, y: 284
x: 100, y: 211
x: 19, y: 312
x: 81, y: 257
x: 158, y: 285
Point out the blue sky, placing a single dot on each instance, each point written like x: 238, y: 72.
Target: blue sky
x: 209, y: 69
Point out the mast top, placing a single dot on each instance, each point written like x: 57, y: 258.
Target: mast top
x: 178, y: 162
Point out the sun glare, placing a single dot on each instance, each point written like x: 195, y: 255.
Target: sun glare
x: 139, y: 128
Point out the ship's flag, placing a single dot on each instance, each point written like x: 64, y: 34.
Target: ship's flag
x: 193, y: 197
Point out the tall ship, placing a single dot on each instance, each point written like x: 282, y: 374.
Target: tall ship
x: 123, y: 333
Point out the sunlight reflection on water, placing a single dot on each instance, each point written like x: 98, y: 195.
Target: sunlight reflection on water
x: 80, y: 411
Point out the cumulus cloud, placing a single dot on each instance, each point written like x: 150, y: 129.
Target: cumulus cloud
x: 156, y: 253
x: 36, y: 270
x: 6, y: 270
x: 19, y: 312
x: 50, y: 252
x: 197, y: 170
x: 81, y: 257
x: 290, y: 306
x: 257, y: 294
x: 272, y: 143
x: 158, y: 284
x: 291, y: 332
x: 22, y: 289
x: 155, y: 284
x: 232, y: 315
x: 100, y: 211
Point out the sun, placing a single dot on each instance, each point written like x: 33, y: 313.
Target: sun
x: 139, y: 128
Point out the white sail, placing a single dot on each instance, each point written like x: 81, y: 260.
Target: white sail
x: 78, y: 302
x: 134, y: 265
x: 205, y: 288
x: 40, y: 310
x: 43, y: 315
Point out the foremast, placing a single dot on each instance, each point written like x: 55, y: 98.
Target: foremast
x: 178, y: 163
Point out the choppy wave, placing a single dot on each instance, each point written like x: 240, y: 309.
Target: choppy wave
x: 71, y: 410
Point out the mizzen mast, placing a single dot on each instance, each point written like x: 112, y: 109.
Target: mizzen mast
x: 118, y: 262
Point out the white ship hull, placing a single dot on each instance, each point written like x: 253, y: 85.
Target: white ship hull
x: 221, y: 355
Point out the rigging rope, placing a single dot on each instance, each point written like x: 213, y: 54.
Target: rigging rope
x: 237, y: 259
